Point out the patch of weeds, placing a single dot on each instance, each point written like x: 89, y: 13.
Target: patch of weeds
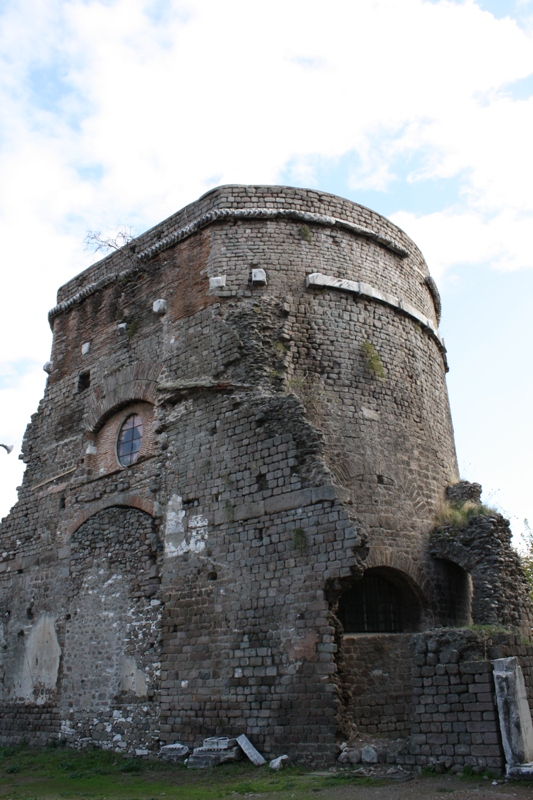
x: 373, y: 361
x: 228, y: 508
x: 131, y: 330
x: 344, y: 778
x: 310, y: 393
x: 527, y: 557
x: 299, y: 540
x: 131, y: 765
x: 305, y: 233
x: 458, y: 515
x: 490, y: 629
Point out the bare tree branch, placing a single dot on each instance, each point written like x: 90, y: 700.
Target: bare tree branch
x: 95, y: 242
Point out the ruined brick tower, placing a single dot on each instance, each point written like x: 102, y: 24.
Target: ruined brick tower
x: 231, y: 481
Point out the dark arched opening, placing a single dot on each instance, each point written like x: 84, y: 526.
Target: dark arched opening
x: 455, y: 594
x: 380, y: 602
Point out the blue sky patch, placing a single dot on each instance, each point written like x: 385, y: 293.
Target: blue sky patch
x: 521, y: 89
x: 13, y: 372
x: 335, y: 175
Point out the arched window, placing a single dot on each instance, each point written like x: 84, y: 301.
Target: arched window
x: 382, y: 601
x: 374, y: 604
x: 129, y: 440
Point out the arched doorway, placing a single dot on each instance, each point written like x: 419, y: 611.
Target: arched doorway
x: 109, y: 677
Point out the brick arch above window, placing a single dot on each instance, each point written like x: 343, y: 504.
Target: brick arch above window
x: 136, y: 382
x: 105, y: 460
x: 119, y: 500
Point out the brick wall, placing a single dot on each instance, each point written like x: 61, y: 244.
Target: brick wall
x: 375, y: 674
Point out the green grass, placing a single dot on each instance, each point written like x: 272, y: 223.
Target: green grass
x: 459, y: 515
x: 55, y: 773
x: 52, y: 773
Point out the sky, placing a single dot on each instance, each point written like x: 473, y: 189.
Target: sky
x: 119, y: 112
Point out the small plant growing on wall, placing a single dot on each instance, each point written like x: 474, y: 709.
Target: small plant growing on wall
x: 527, y: 558
x: 305, y: 233
x: 299, y: 540
x: 132, y: 328
x: 373, y: 361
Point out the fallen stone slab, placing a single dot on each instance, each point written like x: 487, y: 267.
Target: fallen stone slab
x: 248, y: 748
x: 203, y: 757
x: 174, y: 753
x: 279, y: 763
x: 219, y: 743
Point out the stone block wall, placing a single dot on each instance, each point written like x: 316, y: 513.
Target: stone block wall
x: 455, y: 717
x: 36, y: 725
x: 375, y: 672
x: 297, y: 434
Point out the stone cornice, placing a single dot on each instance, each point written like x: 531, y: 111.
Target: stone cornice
x: 221, y: 215
x: 319, y: 281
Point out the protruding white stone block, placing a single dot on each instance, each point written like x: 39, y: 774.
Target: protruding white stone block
x: 160, y: 307
x: 90, y: 450
x: 218, y: 282
x: 515, y: 716
x: 86, y: 349
x: 121, y: 327
x: 259, y: 277
x: 48, y: 367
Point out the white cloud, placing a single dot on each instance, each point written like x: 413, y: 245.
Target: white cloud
x: 17, y: 403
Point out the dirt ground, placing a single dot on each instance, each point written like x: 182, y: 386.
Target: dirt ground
x: 427, y: 788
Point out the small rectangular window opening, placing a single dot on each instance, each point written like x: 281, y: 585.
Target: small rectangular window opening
x: 84, y: 381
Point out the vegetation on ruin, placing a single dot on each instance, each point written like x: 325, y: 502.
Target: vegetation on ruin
x: 132, y: 328
x: 373, y: 361
x: 28, y: 773
x: 310, y: 392
x: 299, y: 540
x: 305, y: 232
x: 458, y: 515
x: 53, y: 773
x: 527, y: 556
